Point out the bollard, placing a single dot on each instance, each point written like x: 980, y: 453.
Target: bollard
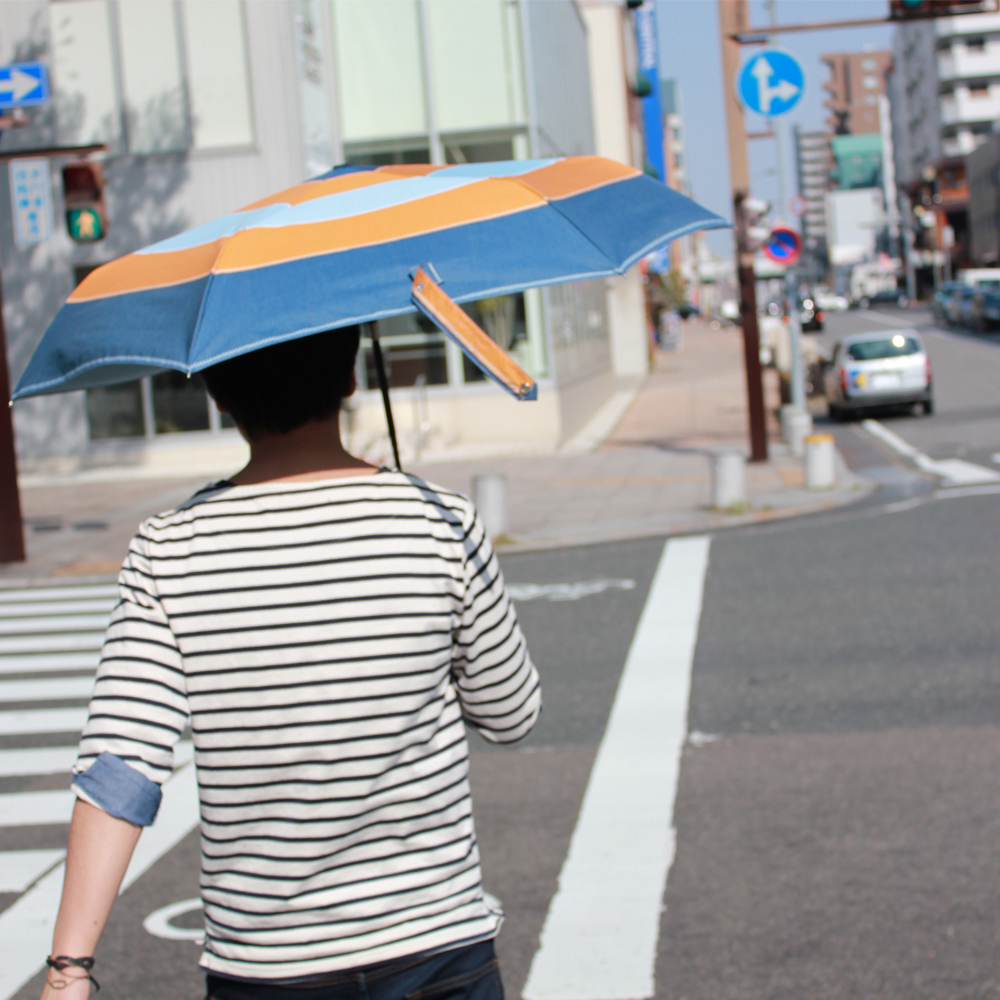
x: 729, y: 481
x: 489, y: 494
x: 796, y: 426
x: 820, y: 462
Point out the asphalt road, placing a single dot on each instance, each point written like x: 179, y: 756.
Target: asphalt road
x: 838, y: 806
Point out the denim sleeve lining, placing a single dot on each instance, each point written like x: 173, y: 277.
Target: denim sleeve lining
x: 119, y: 790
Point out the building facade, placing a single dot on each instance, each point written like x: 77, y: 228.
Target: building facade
x: 944, y: 90
x: 208, y: 106
x: 814, y: 164
x: 855, y: 82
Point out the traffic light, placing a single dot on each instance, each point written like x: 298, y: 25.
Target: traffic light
x: 905, y: 10
x: 83, y: 187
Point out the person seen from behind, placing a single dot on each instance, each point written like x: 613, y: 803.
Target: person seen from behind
x: 326, y: 629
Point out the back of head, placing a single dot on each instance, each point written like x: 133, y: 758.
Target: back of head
x: 276, y: 389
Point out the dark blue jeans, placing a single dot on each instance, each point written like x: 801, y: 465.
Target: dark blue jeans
x: 468, y: 973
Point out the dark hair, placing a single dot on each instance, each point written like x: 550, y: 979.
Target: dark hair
x: 281, y: 387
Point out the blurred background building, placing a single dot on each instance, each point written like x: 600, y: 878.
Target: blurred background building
x: 209, y: 106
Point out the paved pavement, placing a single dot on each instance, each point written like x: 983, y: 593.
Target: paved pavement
x: 650, y: 476
x: 834, y: 767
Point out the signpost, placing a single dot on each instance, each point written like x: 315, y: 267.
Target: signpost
x: 24, y: 85
x: 770, y: 83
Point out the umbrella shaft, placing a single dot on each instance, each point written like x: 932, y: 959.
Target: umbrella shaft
x: 383, y: 384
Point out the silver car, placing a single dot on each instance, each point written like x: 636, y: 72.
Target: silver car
x: 878, y: 369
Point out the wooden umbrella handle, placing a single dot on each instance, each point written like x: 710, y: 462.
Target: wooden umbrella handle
x: 431, y: 300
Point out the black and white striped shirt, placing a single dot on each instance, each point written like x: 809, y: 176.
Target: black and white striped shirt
x: 324, y: 640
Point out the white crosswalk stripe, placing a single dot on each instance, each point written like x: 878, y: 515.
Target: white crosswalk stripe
x: 50, y: 689
x: 31, y: 761
x: 50, y: 641
x: 46, y: 633
x: 43, y: 720
x: 49, y: 663
x: 36, y: 808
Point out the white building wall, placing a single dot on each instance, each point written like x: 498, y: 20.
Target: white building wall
x: 613, y: 135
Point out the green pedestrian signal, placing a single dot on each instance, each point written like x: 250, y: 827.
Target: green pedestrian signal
x: 84, y: 224
x: 83, y: 187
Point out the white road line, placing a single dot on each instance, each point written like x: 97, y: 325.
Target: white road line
x: 42, y: 720
x: 49, y: 663
x: 26, y: 926
x: 954, y: 470
x: 600, y: 935
x: 48, y: 624
x: 98, y: 590
x: 899, y: 324
x: 14, y: 609
x: 18, y: 869
x: 36, y: 808
x: 565, y: 591
x: 76, y: 642
x: 36, y: 760
x: 50, y: 689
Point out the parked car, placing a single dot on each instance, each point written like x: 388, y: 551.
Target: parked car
x: 686, y: 310
x: 941, y: 302
x: 810, y: 315
x: 960, y: 305
x: 886, y: 297
x: 985, y: 309
x: 878, y: 369
x: 830, y: 301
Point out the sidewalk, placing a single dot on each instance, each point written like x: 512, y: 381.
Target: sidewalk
x: 652, y: 474
x: 649, y: 476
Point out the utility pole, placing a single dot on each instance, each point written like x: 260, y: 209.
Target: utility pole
x: 11, y: 522
x: 733, y: 21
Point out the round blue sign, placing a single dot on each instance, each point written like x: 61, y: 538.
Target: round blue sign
x: 783, y: 246
x: 771, y: 83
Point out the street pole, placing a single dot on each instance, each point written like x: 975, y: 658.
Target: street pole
x: 796, y: 375
x: 732, y: 21
x: 11, y: 524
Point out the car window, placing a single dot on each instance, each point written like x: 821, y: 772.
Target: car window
x: 891, y: 347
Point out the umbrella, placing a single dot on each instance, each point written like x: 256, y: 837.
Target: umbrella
x: 353, y: 246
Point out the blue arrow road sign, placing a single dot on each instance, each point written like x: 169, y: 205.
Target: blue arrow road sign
x: 23, y: 85
x: 770, y: 83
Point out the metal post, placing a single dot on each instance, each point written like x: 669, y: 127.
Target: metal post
x: 434, y: 137
x: 733, y: 19
x: 796, y: 375
x: 11, y: 522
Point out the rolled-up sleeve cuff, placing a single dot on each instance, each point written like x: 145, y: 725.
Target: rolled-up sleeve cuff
x: 110, y: 784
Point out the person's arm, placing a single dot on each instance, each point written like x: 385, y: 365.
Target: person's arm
x: 138, y: 711
x: 496, y: 682
x: 100, y: 848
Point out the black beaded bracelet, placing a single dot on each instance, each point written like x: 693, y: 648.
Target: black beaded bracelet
x: 62, y: 962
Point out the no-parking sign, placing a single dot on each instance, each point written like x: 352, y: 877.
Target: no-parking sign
x: 783, y: 246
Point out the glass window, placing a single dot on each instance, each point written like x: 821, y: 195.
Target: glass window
x: 891, y: 347
x: 115, y: 411
x: 578, y: 315
x: 83, y: 72
x: 180, y: 403
x: 411, y: 346
x: 151, y: 68
x: 475, y: 63
x: 380, y: 82
x: 384, y: 158
x: 479, y: 152
x: 218, y: 78
x: 503, y: 318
